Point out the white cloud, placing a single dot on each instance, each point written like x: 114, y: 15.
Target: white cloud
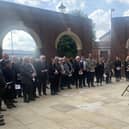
x: 126, y: 13
x: 34, y: 3
x: 121, y: 1
x: 20, y: 39
x: 101, y: 19
x: 70, y: 4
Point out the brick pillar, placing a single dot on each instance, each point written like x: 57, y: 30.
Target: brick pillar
x: 0, y: 51
x: 79, y: 52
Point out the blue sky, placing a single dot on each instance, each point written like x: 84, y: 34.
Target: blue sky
x: 97, y: 10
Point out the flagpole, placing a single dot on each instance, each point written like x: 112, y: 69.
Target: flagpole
x: 111, y: 15
x: 12, y: 43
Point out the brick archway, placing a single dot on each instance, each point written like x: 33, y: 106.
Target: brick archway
x: 74, y: 36
x: 20, y: 26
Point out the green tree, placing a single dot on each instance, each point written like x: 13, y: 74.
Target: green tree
x: 67, y: 47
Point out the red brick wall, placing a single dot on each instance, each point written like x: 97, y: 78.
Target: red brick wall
x: 120, y: 34
x: 48, y: 25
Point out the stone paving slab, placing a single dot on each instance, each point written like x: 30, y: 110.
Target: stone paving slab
x: 101, y: 107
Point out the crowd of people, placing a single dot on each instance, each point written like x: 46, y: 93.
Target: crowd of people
x: 30, y: 78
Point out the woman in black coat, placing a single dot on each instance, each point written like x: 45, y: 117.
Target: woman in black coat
x: 54, y: 74
x: 10, y: 93
x: 99, y: 71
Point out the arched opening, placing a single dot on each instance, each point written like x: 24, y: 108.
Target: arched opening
x: 19, y: 26
x: 71, y: 37
x: 66, y: 47
x: 19, y: 43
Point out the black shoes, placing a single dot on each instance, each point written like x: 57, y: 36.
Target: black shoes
x: 1, y: 120
x: 54, y: 93
x: 13, y: 106
x: 2, y: 123
x: 62, y: 88
x: 9, y: 106
x: 1, y: 116
x: 14, y: 101
x: 2, y: 110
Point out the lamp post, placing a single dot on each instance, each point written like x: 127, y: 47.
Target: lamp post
x: 11, y: 34
x: 111, y: 15
x: 112, y: 10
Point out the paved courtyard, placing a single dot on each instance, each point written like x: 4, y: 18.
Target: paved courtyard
x: 101, y: 107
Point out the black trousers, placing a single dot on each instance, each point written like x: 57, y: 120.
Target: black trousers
x: 76, y: 79
x: 127, y: 75
x: 28, y: 92
x: 2, y: 94
x: 44, y: 86
x: 37, y: 86
x: 90, y: 78
x: 108, y: 77
x: 63, y: 81
x: 10, y: 94
x: 84, y: 78
x: 54, y: 85
x: 118, y: 74
x: 80, y: 77
x: 99, y: 78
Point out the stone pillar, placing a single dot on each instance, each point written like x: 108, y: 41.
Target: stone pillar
x: 79, y: 52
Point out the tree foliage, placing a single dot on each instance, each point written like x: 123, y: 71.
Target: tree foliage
x: 67, y: 47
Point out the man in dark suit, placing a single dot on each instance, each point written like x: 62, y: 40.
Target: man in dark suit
x: 2, y: 90
x: 78, y: 72
x: 8, y: 74
x: 54, y: 76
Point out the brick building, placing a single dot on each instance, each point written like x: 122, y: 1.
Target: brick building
x: 102, y: 48
x: 120, y: 36
x: 46, y: 27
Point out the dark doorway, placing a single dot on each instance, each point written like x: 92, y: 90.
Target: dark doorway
x: 66, y: 47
